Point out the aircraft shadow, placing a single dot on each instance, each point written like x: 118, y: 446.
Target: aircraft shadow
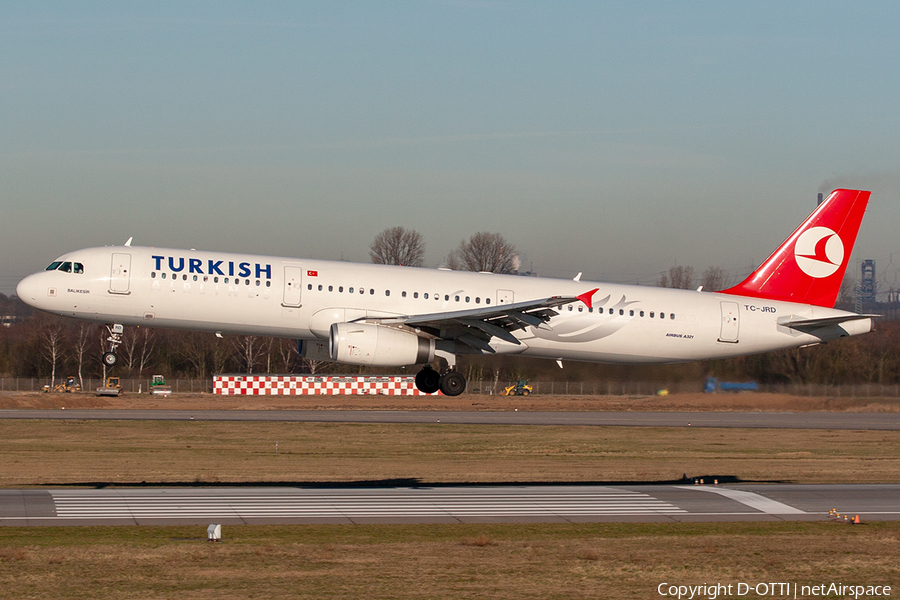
x: 411, y: 482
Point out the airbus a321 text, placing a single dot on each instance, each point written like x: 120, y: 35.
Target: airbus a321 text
x: 381, y: 315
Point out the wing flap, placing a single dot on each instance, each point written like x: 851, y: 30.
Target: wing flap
x: 476, y: 327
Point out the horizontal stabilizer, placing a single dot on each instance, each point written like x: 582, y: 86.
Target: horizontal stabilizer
x: 810, y: 325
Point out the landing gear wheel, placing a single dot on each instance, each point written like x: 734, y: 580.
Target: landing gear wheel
x: 453, y: 384
x: 110, y: 359
x: 428, y: 380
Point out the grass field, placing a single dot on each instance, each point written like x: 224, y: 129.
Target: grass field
x: 438, y: 561
x: 433, y: 561
x: 51, y: 453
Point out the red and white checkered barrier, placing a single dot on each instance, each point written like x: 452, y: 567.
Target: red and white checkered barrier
x: 291, y: 385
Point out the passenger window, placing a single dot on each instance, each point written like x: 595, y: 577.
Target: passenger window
x: 320, y: 287
x: 79, y: 268
x: 371, y: 292
x: 163, y: 275
x: 350, y: 290
x: 226, y: 280
x: 268, y: 284
x: 477, y: 300
x: 309, y: 286
x: 184, y: 277
x: 621, y: 311
x: 570, y: 308
x: 425, y: 296
x: 467, y: 298
x: 387, y: 292
x: 195, y: 278
x: 403, y: 294
x: 330, y: 288
x: 456, y: 298
x: 487, y: 300
x: 652, y: 314
x: 215, y: 279
x: 630, y: 313
x: 341, y: 289
x: 662, y: 315
x: 153, y: 275
x: 416, y: 295
x: 205, y: 278
x: 446, y: 298
x: 580, y: 309
x: 672, y: 316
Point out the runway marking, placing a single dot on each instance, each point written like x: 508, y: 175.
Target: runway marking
x: 760, y: 503
x: 403, y: 503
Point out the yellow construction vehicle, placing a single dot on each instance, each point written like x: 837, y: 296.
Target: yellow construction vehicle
x: 70, y: 384
x: 112, y: 387
x: 520, y: 389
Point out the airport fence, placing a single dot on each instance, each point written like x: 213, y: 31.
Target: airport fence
x: 35, y: 384
x: 648, y: 388
x: 546, y: 388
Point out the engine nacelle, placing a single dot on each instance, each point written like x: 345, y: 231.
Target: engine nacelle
x: 314, y: 350
x: 366, y: 344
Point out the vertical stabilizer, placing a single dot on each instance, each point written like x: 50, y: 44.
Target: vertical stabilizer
x: 809, y: 266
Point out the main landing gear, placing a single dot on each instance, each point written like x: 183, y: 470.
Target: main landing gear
x: 451, y: 383
x: 115, y: 338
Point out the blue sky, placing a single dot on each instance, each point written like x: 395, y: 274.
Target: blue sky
x: 617, y: 139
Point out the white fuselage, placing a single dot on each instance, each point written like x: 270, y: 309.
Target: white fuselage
x: 301, y: 298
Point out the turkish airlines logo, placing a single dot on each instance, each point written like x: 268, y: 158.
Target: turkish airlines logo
x: 819, y: 252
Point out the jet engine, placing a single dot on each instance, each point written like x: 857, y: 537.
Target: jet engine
x: 367, y: 344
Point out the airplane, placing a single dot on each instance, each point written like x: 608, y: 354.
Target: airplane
x: 380, y: 315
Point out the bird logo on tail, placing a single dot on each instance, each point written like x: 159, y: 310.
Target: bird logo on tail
x: 819, y: 252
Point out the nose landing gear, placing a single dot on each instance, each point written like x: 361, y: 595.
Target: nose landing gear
x: 115, y: 338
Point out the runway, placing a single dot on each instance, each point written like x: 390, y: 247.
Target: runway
x: 452, y: 504
x: 804, y: 420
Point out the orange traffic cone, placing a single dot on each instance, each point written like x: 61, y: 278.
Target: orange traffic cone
x: 856, y: 520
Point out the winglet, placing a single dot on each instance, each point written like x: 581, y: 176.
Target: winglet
x: 586, y: 297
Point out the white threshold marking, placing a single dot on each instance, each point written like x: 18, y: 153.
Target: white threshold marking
x: 114, y: 505
x: 760, y: 503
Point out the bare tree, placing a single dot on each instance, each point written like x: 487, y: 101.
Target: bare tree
x: 81, y: 343
x: 248, y: 350
x: 398, y: 246
x: 219, y: 354
x: 52, y: 348
x: 485, y: 252
x: 678, y: 277
x: 714, y: 279
x: 194, y: 347
x: 286, y: 350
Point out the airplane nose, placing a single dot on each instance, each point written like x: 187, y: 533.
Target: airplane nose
x: 27, y: 290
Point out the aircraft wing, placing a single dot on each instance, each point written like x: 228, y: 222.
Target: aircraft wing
x: 475, y: 327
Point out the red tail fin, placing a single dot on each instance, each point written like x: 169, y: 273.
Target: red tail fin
x: 809, y: 266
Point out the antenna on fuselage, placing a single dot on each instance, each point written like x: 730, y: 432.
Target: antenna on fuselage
x: 128, y: 243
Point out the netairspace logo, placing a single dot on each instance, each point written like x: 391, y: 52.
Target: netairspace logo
x: 772, y: 590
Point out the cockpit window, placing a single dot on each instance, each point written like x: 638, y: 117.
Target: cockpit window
x: 66, y: 267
